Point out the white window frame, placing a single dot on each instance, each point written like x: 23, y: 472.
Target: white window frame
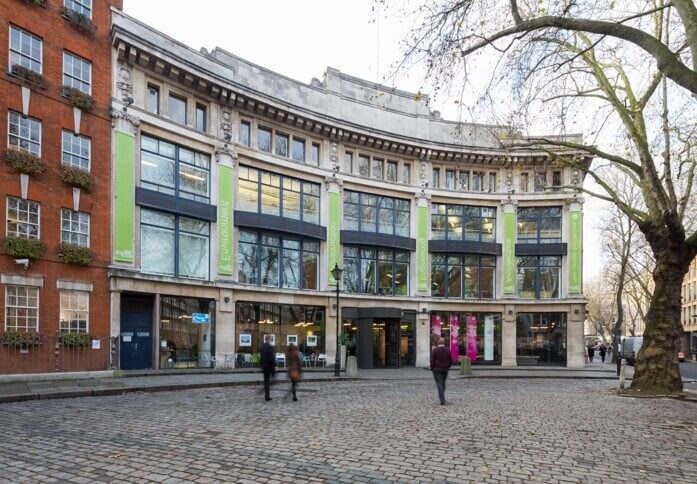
x: 25, y: 55
x: 65, y: 151
x: 83, y: 7
x: 23, y: 123
x: 72, y: 214
x: 38, y: 217
x: 26, y: 327
x: 75, y: 81
x: 74, y: 298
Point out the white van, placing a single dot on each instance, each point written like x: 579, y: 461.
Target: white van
x: 630, y: 348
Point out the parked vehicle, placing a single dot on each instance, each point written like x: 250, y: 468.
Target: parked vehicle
x: 681, y: 356
x: 630, y: 348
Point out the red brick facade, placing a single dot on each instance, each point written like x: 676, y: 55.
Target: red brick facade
x: 56, y: 114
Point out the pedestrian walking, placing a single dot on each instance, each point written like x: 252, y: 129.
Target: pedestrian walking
x: 602, y: 351
x: 441, y: 361
x: 294, y: 364
x: 591, y: 352
x: 267, y: 361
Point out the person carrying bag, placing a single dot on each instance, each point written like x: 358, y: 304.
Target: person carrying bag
x: 294, y: 364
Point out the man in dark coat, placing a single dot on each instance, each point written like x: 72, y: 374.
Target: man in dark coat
x: 267, y: 361
x: 441, y: 361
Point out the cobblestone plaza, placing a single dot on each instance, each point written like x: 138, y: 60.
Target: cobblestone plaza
x: 361, y: 431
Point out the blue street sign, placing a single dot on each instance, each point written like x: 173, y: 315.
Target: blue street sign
x: 200, y: 318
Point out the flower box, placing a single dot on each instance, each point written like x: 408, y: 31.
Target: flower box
x: 78, y: 98
x: 76, y: 255
x: 38, y: 3
x: 22, y: 247
x: 79, y: 21
x: 23, y: 162
x: 19, y: 339
x: 31, y: 78
x: 76, y: 177
x: 75, y: 339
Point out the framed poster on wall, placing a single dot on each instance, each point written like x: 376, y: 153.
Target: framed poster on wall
x: 272, y: 338
x: 312, y: 341
x: 292, y: 339
x: 245, y: 340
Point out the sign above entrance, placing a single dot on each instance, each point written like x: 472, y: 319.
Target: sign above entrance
x: 200, y: 318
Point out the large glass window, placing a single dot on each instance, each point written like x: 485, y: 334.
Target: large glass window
x: 23, y: 218
x: 268, y: 193
x: 169, y: 168
x: 187, y: 332
x: 466, y: 276
x: 75, y: 228
x: 372, y: 270
x: 539, y: 225
x: 463, y: 222
x: 301, y: 326
x: 24, y: 133
x: 76, y: 150
x: 541, y: 339
x: 21, y: 308
x: 365, y: 212
x: 74, y: 311
x: 475, y: 335
x: 268, y: 259
x: 174, y: 245
x: 25, y: 49
x: 77, y: 72
x: 80, y: 6
x: 539, y: 277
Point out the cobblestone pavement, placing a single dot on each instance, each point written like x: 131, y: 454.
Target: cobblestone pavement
x: 367, y: 431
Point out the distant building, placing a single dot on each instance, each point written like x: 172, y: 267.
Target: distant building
x: 55, y: 103
x: 689, y: 304
x: 238, y: 190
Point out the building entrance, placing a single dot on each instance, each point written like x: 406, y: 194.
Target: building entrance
x: 136, y: 332
x: 380, y: 339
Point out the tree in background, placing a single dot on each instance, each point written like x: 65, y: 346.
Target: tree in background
x: 623, y: 73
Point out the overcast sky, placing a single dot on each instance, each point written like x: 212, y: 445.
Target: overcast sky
x: 300, y: 39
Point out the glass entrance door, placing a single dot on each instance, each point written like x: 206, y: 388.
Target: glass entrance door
x: 391, y: 348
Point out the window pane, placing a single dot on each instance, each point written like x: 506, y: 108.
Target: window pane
x: 282, y: 145
x: 264, y: 139
x: 152, y: 102
x: 314, y: 158
x: 378, y: 167
x: 291, y: 204
x: 291, y: 268
x: 310, y: 266
x: 157, y: 250
x: 391, y: 171
x: 200, y: 117
x: 406, y: 173
x: 298, y: 149
x: 455, y: 281
x: 177, y: 109
x: 348, y: 162
x: 245, y: 130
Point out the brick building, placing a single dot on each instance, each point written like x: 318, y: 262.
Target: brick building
x: 55, y: 96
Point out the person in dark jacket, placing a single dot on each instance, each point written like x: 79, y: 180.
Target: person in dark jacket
x: 267, y: 361
x: 295, y: 367
x: 602, y: 351
x: 441, y: 361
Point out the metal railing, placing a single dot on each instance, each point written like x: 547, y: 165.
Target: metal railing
x: 51, y: 355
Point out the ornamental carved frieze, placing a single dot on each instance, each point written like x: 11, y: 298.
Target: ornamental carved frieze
x: 334, y: 156
x: 124, y: 82
x: 225, y: 126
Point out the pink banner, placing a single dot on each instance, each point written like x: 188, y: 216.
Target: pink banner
x: 472, y: 338
x: 435, y: 327
x: 454, y: 330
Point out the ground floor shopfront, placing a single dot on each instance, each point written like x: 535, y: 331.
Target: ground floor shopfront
x: 170, y: 325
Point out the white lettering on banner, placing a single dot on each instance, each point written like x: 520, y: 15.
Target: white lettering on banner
x: 225, y: 252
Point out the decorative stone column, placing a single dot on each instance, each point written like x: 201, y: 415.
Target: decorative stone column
x: 508, y: 336
x: 574, y: 337
x: 508, y: 287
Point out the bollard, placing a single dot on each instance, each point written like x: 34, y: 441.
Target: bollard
x: 623, y: 365
x: 465, y: 366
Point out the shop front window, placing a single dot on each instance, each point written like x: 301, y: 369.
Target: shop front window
x: 301, y: 326
x: 474, y: 335
x: 541, y: 339
x: 187, y: 332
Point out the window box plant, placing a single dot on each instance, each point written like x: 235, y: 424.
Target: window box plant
x: 23, y: 162
x: 38, y: 3
x: 78, y: 98
x: 76, y: 255
x: 79, y: 21
x: 31, y: 78
x: 20, y: 339
x: 75, y: 339
x: 76, y: 177
x: 22, y: 247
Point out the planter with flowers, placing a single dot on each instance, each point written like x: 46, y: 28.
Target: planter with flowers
x: 80, y: 101
x: 81, y: 22
x: 22, y: 247
x: 75, y: 339
x: 38, y: 3
x: 75, y: 255
x: 20, y: 339
x: 25, y: 164
x: 30, y: 77
x: 77, y: 178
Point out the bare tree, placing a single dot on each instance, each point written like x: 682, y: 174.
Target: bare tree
x: 600, y: 308
x: 599, y: 65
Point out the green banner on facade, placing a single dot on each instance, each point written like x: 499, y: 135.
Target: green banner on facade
x: 575, y: 251
x: 509, y: 265
x: 422, y: 249
x: 225, y: 210
x: 124, y: 197
x: 333, y: 232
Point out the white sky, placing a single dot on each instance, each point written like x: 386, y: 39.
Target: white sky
x: 300, y: 39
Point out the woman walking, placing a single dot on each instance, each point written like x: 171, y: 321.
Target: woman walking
x: 294, y: 364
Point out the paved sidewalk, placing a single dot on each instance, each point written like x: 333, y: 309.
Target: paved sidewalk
x: 154, y: 381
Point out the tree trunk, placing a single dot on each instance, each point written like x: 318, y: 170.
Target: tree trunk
x: 657, y: 369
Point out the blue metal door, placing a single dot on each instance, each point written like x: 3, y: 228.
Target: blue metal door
x: 136, y: 332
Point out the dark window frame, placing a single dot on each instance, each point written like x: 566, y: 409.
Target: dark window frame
x: 463, y: 265
x: 360, y: 259
x: 378, y: 209
x: 538, y: 218
x: 538, y: 274
x: 436, y: 215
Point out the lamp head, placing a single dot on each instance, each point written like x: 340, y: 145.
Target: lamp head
x: 337, y: 272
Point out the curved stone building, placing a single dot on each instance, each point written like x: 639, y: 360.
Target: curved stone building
x: 238, y: 191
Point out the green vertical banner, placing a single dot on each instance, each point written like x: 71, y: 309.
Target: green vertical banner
x: 509, y: 265
x: 225, y: 208
x: 422, y: 249
x: 575, y: 251
x: 124, y: 197
x: 334, y: 227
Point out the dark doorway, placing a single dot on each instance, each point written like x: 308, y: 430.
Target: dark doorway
x: 136, y: 332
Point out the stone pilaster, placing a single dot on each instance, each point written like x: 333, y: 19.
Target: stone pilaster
x: 508, y: 337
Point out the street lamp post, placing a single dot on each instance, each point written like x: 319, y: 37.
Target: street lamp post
x: 337, y: 272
